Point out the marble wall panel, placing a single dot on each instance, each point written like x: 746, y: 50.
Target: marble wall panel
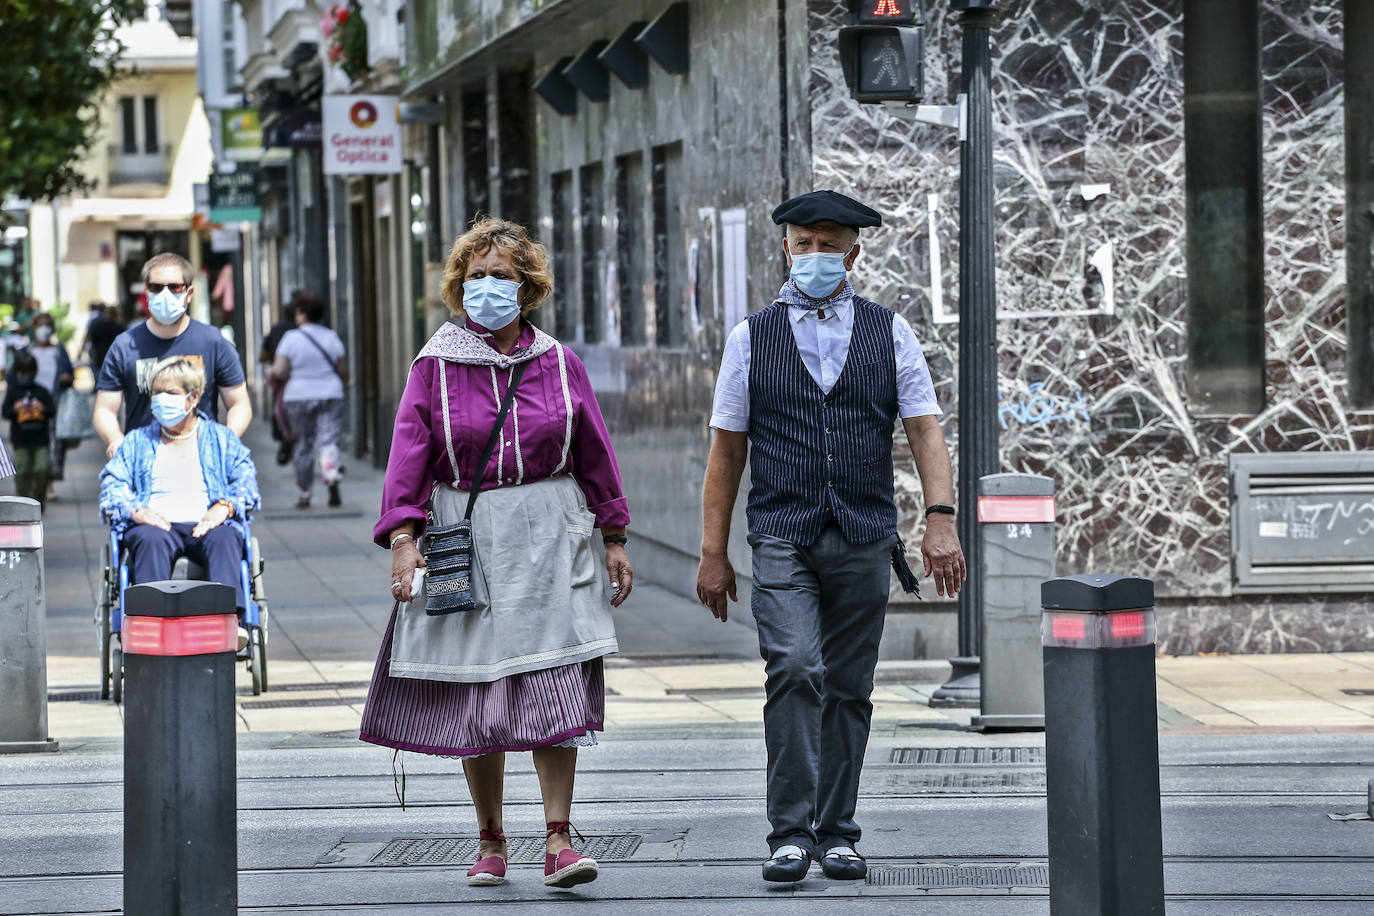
x: 1091, y: 94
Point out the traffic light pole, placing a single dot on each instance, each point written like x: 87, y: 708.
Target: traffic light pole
x: 978, y: 448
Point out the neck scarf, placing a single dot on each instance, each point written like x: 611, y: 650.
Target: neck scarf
x: 790, y: 295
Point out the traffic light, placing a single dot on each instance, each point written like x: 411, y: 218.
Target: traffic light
x: 882, y: 50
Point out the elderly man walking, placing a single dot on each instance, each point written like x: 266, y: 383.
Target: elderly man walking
x: 815, y: 383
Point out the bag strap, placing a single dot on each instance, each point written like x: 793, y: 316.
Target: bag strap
x: 317, y: 346
x: 494, y: 437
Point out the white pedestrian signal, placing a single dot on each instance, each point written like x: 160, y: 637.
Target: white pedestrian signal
x: 889, y: 59
x: 883, y: 63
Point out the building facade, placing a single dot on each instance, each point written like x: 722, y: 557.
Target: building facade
x: 154, y: 148
x: 1183, y: 262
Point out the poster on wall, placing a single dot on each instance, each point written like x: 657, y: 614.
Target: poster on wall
x: 362, y: 135
x: 734, y: 265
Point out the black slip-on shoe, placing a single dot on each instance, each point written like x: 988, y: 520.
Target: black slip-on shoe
x: 842, y: 863
x: 788, y: 864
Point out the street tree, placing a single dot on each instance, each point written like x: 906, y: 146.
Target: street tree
x: 60, y: 57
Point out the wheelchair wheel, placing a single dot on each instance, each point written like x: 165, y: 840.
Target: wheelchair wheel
x: 102, y: 622
x: 117, y: 674
x: 257, y: 660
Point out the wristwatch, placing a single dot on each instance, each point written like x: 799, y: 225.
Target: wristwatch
x: 939, y: 508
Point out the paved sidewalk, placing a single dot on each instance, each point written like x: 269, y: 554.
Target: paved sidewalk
x: 326, y: 583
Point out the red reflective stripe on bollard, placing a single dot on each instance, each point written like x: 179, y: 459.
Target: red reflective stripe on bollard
x: 1073, y: 628
x: 1127, y: 626
x: 177, y: 636
x: 996, y: 509
x: 29, y: 536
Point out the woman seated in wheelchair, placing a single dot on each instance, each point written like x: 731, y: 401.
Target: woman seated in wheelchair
x: 181, y: 485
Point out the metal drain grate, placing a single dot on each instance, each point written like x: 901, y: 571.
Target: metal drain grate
x: 74, y: 696
x: 301, y: 688
x: 932, y: 876
x: 522, y: 850
x: 964, y: 756
x: 296, y: 704
x: 957, y: 782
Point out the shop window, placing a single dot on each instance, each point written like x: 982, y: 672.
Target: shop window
x: 476, y: 189
x: 629, y: 247
x: 670, y: 260
x: 515, y: 140
x: 592, y: 212
x: 564, y: 289
x: 1225, y: 250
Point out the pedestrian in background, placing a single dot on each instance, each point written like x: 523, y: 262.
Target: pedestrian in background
x: 55, y: 375
x: 813, y: 385
x: 168, y: 331
x: 281, y: 427
x: 523, y: 671
x: 309, y: 365
x: 30, y: 408
x: 101, y: 334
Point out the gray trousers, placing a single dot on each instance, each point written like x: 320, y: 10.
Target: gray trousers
x: 820, y: 615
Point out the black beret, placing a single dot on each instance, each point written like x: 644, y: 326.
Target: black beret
x: 826, y: 206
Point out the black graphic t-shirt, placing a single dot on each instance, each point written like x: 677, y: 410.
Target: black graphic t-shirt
x: 134, y: 353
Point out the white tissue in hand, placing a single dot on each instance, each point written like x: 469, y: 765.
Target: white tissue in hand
x: 417, y: 584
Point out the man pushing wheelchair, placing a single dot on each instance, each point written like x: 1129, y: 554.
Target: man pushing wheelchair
x: 181, y: 485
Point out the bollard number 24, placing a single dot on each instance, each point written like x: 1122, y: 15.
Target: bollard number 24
x: 1015, y: 531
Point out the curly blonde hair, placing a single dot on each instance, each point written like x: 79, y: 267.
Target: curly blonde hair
x: 529, y: 257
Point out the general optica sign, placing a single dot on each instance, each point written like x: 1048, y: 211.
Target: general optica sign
x: 362, y: 135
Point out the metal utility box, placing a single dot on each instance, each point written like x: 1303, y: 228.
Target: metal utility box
x: 1303, y: 522
x: 1016, y: 524
x: 23, y: 652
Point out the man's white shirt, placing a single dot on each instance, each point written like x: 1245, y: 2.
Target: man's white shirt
x: 824, y: 347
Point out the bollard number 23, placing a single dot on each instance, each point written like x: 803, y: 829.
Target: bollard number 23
x: 1018, y: 531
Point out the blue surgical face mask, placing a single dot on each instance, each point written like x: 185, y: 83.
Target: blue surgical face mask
x: 170, y: 409
x: 819, y: 274
x: 167, y: 307
x: 491, y: 302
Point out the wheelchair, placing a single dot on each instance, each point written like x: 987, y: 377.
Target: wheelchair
x: 109, y: 610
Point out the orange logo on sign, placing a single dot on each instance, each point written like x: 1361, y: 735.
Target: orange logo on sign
x: 363, y: 114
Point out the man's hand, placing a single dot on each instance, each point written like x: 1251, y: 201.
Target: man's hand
x: 213, y: 518
x: 716, y: 580
x: 146, y: 516
x: 942, y: 555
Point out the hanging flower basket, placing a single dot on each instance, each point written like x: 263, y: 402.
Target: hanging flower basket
x: 346, y: 30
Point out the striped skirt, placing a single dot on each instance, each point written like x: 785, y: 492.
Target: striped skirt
x: 522, y: 712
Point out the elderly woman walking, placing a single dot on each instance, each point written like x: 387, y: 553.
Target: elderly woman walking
x: 496, y: 405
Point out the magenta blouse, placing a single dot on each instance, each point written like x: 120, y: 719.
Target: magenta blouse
x: 554, y: 427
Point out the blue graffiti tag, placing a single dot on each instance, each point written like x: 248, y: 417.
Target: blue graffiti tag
x: 1038, y: 407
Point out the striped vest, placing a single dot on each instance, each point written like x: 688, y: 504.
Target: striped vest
x: 815, y: 456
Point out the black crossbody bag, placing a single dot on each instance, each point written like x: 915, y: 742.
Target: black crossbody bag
x: 447, y: 549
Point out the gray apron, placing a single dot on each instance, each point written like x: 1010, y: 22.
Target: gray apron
x: 541, y: 602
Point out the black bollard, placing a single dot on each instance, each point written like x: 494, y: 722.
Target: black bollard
x: 1102, y: 746
x: 180, y: 819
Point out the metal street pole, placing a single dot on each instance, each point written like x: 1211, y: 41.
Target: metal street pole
x: 978, y: 454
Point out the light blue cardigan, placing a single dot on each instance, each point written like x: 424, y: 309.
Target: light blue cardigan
x: 126, y: 483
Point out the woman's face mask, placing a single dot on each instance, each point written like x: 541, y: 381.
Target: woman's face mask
x: 42, y: 333
x: 170, y: 408
x: 491, y: 302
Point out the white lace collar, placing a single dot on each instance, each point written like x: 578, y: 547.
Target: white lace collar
x: 458, y: 344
